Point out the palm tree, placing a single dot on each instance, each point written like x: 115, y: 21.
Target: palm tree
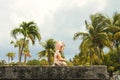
x: 18, y: 44
x: 111, y: 60
x: 49, y: 47
x: 29, y: 31
x: 2, y: 62
x: 113, y: 30
x: 10, y: 56
x: 26, y: 51
x: 26, y: 54
x: 77, y: 60
x: 95, y: 39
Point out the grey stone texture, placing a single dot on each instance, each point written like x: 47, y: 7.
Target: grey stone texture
x: 53, y: 72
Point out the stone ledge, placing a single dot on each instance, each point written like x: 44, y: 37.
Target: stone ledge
x: 53, y: 72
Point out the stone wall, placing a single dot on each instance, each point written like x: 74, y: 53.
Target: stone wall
x: 53, y: 72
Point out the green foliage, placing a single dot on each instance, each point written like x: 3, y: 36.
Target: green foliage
x: 37, y: 62
x: 14, y: 63
x: 114, y: 31
x: 29, y: 31
x: 112, y: 61
x: 10, y: 56
x: 49, y: 49
x: 2, y: 62
x: 76, y: 60
x: 33, y: 62
x: 69, y: 63
x: 95, y: 39
x: 44, y: 62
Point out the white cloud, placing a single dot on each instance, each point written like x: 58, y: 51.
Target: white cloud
x: 80, y: 3
x: 99, y: 5
x: 41, y: 10
x: 35, y: 9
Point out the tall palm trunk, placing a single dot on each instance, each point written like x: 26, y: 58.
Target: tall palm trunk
x: 8, y: 59
x: 11, y: 59
x: 118, y: 52
x: 25, y: 57
x: 119, y: 55
x: 19, y: 55
x: 49, y: 58
x: 21, y: 50
x: 49, y: 62
x: 91, y: 62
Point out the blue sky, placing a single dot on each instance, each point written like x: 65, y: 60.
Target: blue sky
x: 57, y: 19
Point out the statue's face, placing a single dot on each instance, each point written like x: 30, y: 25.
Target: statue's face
x: 61, y: 48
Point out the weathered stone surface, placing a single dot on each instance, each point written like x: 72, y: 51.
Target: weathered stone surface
x: 53, y: 72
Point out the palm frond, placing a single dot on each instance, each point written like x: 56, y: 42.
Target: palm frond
x: 116, y: 17
x: 12, y: 42
x: 15, y: 32
x: 112, y: 29
x: 117, y: 36
x: 84, y: 47
x: 31, y: 38
x: 80, y: 34
x: 42, y: 53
